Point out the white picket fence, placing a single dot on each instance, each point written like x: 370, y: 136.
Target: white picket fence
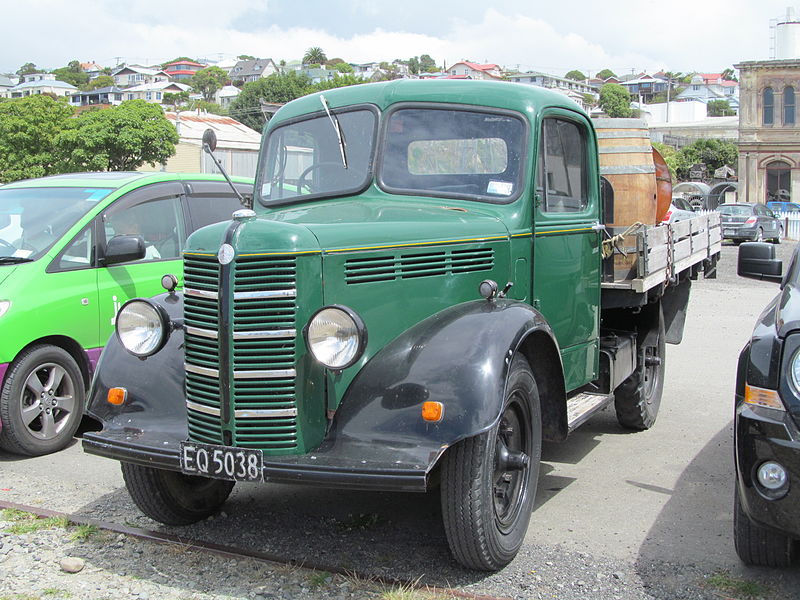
x: 791, y: 223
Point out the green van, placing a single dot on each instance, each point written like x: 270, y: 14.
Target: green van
x: 73, y: 249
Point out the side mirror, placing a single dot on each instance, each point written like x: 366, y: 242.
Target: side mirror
x: 124, y: 248
x: 210, y: 139
x: 757, y: 261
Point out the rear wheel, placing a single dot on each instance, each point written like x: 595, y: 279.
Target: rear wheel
x: 638, y: 398
x: 757, y: 545
x: 41, y: 402
x: 173, y: 498
x: 489, y: 481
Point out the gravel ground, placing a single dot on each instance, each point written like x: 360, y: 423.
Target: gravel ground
x: 374, y: 534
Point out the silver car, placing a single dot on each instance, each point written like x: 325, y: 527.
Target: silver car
x: 748, y: 221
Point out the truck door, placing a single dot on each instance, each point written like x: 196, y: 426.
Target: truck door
x: 566, y: 255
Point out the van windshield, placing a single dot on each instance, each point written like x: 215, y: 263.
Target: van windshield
x: 33, y: 219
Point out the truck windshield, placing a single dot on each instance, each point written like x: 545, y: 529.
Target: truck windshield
x: 33, y: 219
x: 304, y: 159
x: 453, y: 153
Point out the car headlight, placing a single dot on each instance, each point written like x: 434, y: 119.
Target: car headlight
x: 336, y: 337
x: 794, y: 372
x: 4, y: 306
x: 142, y: 327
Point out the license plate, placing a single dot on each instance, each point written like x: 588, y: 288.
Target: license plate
x: 729, y: 232
x: 221, y: 462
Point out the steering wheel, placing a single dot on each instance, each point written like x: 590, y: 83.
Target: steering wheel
x: 301, y: 183
x: 5, y: 245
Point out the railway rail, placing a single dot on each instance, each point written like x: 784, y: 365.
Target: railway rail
x: 228, y: 551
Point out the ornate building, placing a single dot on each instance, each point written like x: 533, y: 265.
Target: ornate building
x: 769, y: 130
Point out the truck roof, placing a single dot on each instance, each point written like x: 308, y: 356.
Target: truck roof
x: 498, y: 94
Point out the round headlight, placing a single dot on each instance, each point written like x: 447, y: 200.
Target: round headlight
x: 794, y: 371
x: 141, y: 327
x: 336, y: 336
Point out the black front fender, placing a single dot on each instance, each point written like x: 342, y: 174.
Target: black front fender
x: 459, y: 357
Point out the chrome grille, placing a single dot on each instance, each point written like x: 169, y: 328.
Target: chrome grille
x: 261, y: 347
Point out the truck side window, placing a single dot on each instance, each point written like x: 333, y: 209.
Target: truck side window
x: 561, y: 172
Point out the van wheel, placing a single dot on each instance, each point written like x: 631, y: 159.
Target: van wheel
x: 489, y: 481
x: 638, y: 398
x: 173, y: 498
x: 757, y: 545
x: 41, y: 402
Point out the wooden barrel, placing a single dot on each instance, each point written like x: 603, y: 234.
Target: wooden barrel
x: 626, y: 160
x: 663, y: 185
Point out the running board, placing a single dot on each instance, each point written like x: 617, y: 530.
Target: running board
x: 583, y: 405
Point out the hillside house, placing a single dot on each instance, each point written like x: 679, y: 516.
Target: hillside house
x: 183, y: 70
x: 130, y: 75
x: 253, y: 70
x: 41, y: 83
x: 470, y: 70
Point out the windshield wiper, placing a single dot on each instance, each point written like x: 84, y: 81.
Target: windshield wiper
x: 336, y: 127
x: 11, y: 260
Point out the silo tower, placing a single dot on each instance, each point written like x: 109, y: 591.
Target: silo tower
x: 787, y: 35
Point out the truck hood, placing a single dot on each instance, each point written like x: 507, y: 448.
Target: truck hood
x: 377, y: 223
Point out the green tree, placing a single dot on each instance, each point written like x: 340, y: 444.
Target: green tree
x: 615, y: 100
x: 343, y: 67
x: 72, y: 74
x: 175, y: 99
x: 729, y: 75
x: 575, y: 75
x: 605, y: 74
x: 121, y: 138
x: 27, y: 69
x: 413, y: 65
x: 427, y: 64
x: 719, y: 108
x: 207, y: 81
x: 713, y: 153
x: 28, y: 128
x: 277, y: 88
x: 245, y: 57
x: 671, y: 157
x: 98, y: 82
x: 338, y: 81
x: 314, y: 55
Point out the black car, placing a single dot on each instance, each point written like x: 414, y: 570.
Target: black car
x: 767, y: 418
x: 749, y: 221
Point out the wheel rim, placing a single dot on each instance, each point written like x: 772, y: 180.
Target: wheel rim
x: 511, y: 465
x: 47, y: 401
x: 652, y: 370
x: 759, y: 236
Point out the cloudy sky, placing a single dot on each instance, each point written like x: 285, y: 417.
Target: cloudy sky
x: 551, y: 36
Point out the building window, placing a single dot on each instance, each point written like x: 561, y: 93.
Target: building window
x: 779, y: 181
x: 788, y: 105
x: 769, y: 106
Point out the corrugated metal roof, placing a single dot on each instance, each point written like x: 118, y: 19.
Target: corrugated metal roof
x: 230, y: 132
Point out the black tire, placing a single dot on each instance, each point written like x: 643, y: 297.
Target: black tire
x: 173, y: 498
x: 638, y: 398
x: 757, y: 545
x: 488, y: 482
x: 777, y: 240
x: 41, y: 402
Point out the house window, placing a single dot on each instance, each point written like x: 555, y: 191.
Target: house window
x: 769, y: 106
x: 788, y: 105
x: 158, y: 95
x: 149, y: 95
x: 779, y: 181
x: 130, y: 96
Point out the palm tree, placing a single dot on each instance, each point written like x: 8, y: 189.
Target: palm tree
x: 314, y: 55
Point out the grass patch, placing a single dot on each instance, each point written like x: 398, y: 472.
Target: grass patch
x: 83, y: 532
x: 56, y: 592
x: 740, y: 589
x: 319, y: 579
x: 25, y: 522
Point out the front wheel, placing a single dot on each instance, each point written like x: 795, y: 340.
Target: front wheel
x: 489, y: 481
x: 41, y: 403
x: 757, y: 545
x: 638, y: 398
x: 173, y: 498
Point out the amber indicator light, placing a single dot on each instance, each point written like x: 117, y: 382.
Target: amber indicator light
x: 117, y: 396
x: 432, y: 411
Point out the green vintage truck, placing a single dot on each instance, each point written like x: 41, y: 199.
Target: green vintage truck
x: 423, y: 291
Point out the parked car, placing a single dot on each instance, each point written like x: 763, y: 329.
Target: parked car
x: 679, y: 209
x: 783, y: 206
x: 73, y: 249
x: 749, y: 221
x: 767, y: 418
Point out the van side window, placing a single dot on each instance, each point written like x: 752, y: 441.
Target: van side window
x: 561, y: 170
x: 79, y: 253
x: 158, y: 222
